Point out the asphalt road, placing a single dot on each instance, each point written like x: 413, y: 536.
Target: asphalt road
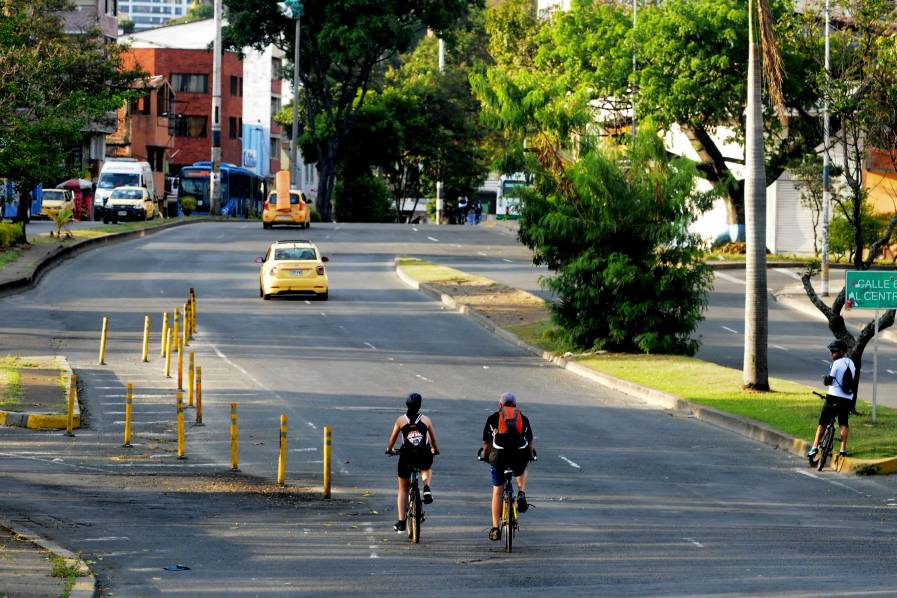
x: 629, y: 500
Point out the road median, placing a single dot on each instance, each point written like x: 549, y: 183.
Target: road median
x: 34, y: 393
x: 683, y: 385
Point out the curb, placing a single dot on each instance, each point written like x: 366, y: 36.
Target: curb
x: 60, y: 254
x: 45, y: 421
x: 735, y: 423
x: 86, y: 585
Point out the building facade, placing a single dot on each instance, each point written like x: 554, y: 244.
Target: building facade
x: 148, y: 14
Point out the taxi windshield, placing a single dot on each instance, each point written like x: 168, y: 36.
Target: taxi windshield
x: 111, y: 180
x: 54, y: 195
x: 127, y: 194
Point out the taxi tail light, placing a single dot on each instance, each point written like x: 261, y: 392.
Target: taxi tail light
x: 319, y: 269
x: 273, y: 271
x: 267, y: 205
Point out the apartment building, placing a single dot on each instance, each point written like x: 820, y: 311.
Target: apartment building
x: 148, y: 14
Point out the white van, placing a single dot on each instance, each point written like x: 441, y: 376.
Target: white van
x: 121, y: 172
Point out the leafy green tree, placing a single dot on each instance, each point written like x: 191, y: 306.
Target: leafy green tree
x: 344, y: 47
x: 198, y: 11
x: 628, y: 275
x: 44, y: 109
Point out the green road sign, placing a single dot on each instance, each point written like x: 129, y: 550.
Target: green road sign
x: 867, y: 289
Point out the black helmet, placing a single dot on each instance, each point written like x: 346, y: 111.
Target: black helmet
x: 837, y: 345
x: 413, y: 402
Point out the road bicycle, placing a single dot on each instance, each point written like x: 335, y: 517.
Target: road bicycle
x: 414, y: 514
x: 508, y: 511
x: 826, y: 441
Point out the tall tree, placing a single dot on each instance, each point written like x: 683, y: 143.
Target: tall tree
x: 344, y: 46
x: 52, y: 86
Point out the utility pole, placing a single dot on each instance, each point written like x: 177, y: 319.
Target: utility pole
x: 214, y: 186
x: 440, y: 203
x: 293, y: 9
x: 826, y: 188
x: 634, y: 65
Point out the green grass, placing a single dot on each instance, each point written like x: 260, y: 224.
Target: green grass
x: 10, y: 386
x: 540, y: 335
x: 426, y: 272
x: 7, y: 256
x: 68, y: 573
x: 790, y: 407
x: 106, y: 229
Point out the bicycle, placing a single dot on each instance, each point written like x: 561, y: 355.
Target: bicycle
x: 826, y: 441
x: 414, y: 514
x: 509, y: 524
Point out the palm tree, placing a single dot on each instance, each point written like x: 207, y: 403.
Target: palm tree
x: 755, y: 372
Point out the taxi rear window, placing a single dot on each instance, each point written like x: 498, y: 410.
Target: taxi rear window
x: 294, y: 253
x: 294, y: 199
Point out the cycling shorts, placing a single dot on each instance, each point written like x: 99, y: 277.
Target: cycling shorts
x: 836, y: 406
x: 516, y: 461
x: 408, y: 461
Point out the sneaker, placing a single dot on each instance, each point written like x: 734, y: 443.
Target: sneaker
x: 428, y: 496
x: 495, y: 534
x: 842, y: 453
x: 813, y: 451
x: 522, y: 505
x: 399, y: 526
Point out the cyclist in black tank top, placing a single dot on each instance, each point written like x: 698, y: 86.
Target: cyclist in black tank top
x: 418, y: 447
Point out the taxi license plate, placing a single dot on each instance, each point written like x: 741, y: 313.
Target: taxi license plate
x: 284, y: 219
x: 297, y: 272
x: 122, y: 213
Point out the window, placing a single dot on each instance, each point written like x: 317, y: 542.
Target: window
x: 191, y: 126
x: 236, y: 85
x: 275, y: 105
x: 140, y: 105
x: 190, y: 82
x: 164, y: 101
x: 232, y: 127
x: 277, y: 68
x: 274, y: 149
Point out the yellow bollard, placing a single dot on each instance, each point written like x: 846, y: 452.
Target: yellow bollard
x: 191, y: 378
x: 168, y: 341
x: 193, y: 307
x: 282, y: 458
x: 70, y: 413
x: 128, y: 408
x: 186, y: 326
x: 233, y: 438
x: 164, y: 334
x: 103, y: 340
x: 146, y: 332
x: 327, y: 442
x: 176, y: 325
x: 180, y: 363
x: 198, y: 396
x: 180, y: 396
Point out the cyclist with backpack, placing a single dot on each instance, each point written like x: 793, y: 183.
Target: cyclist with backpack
x: 507, y: 444
x: 418, y: 448
x: 840, y: 396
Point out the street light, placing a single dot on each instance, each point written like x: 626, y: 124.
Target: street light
x: 292, y: 9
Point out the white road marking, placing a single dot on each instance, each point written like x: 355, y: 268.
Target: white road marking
x: 779, y: 347
x: 434, y: 239
x: 825, y: 361
x: 826, y: 479
x: 571, y: 463
x: 106, y: 539
x: 303, y: 450
x: 414, y: 228
x: 787, y: 273
x: 323, y: 314
x: 730, y: 330
x: 728, y: 277
x: 311, y: 425
x: 371, y: 346
x: 422, y: 377
x: 141, y: 423
x: 237, y: 367
x: 481, y: 253
x: 307, y: 302
x: 507, y: 260
x: 693, y: 541
x: 485, y: 367
x: 891, y: 371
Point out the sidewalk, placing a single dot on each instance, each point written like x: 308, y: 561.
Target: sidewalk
x: 28, y: 564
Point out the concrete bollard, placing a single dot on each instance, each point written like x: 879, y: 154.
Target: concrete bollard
x: 103, y: 340
x: 327, y: 443
x: 128, y: 407
x: 146, y: 333
x: 234, y: 464
x: 282, y: 456
x: 191, y: 378
x: 198, y: 396
x: 168, y: 341
x: 70, y: 411
x: 164, y: 339
x: 180, y: 398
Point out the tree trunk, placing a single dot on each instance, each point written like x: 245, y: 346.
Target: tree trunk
x: 327, y: 174
x: 755, y: 374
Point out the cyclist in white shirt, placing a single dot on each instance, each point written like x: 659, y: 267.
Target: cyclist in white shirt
x: 840, y: 398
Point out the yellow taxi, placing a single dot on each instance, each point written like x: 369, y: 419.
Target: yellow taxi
x: 55, y: 201
x: 299, y: 212
x: 129, y: 203
x: 293, y: 267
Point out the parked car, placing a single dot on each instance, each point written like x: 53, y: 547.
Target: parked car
x: 299, y: 212
x: 129, y: 203
x: 293, y: 267
x: 55, y: 201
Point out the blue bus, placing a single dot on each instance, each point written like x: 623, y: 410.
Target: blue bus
x: 242, y: 190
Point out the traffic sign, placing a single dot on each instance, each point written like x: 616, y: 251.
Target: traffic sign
x: 871, y: 289
x: 291, y: 8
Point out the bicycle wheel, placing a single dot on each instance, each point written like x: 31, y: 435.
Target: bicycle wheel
x: 825, y: 446
x: 416, y: 518
x: 507, y: 522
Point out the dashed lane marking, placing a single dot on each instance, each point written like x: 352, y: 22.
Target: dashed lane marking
x: 371, y: 346
x: 730, y: 330
x: 434, y: 239
x: 482, y: 254
x: 693, y: 541
x: 779, y: 347
x: 728, y: 277
x: 507, y: 260
x: 571, y: 463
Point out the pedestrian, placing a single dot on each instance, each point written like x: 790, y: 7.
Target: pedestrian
x: 477, y: 212
x: 463, y: 208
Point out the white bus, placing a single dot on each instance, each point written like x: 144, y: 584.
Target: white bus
x: 507, y: 199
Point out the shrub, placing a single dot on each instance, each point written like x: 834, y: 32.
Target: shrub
x: 11, y: 234
x: 188, y: 204
x: 362, y: 198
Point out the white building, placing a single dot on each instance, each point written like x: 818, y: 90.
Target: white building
x: 147, y: 14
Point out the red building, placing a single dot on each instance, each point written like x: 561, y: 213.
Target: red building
x: 189, y: 71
